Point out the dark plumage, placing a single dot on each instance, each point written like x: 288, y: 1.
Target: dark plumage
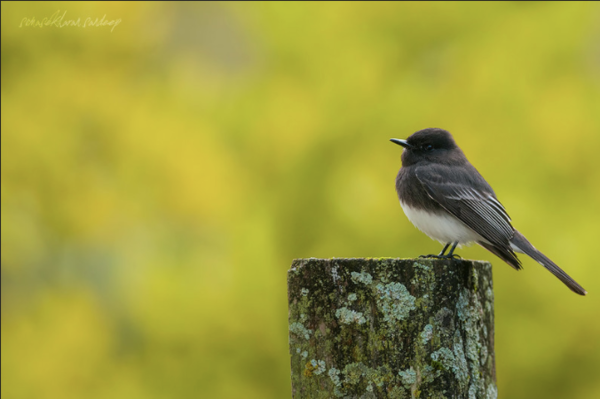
x: 445, y: 197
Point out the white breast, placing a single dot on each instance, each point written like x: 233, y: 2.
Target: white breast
x: 442, y: 227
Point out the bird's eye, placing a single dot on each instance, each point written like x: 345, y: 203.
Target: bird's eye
x: 428, y: 147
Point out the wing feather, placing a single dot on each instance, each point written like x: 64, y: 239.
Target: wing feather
x: 473, y: 204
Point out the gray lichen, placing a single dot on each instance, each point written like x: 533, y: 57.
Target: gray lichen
x: 348, y: 316
x: 334, y: 273
x: 319, y: 366
x: 395, y: 301
x: 444, y: 358
x: 473, y: 391
x: 460, y: 367
x: 426, y: 334
x: 491, y: 392
x: 334, y: 374
x: 301, y: 331
x: 362, y: 277
x: 489, y: 295
x: 409, y: 377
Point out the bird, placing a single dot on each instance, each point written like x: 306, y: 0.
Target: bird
x: 446, y: 198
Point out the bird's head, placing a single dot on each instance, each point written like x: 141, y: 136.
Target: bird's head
x: 432, y: 144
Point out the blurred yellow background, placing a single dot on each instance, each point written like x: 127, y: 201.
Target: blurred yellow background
x: 159, y: 178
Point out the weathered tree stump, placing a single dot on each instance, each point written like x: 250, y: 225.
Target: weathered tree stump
x: 391, y: 328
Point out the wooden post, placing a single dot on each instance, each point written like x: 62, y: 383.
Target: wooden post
x: 391, y: 328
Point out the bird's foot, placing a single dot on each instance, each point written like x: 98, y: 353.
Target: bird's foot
x: 452, y: 256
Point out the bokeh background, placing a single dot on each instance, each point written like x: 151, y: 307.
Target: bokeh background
x: 158, y: 180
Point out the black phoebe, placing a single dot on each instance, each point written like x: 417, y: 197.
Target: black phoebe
x: 445, y: 197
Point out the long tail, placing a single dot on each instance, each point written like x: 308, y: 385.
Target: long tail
x: 520, y: 244
x: 505, y: 253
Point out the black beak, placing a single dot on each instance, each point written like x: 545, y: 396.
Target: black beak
x: 403, y: 143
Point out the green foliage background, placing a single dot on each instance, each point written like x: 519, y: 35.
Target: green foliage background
x: 157, y: 181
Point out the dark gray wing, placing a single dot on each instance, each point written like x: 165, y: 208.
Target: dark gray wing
x: 470, y: 199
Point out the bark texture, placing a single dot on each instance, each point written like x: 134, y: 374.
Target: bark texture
x: 391, y: 328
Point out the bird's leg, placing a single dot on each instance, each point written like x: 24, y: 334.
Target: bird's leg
x: 449, y: 255
x: 444, y: 250
x: 440, y: 256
